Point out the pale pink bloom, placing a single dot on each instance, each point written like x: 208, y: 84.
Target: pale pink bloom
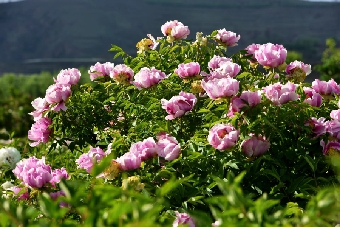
x: 227, y: 38
x: 33, y: 172
x: 58, y: 94
x: 68, y: 77
x: 227, y: 69
x: 271, y: 55
x: 298, y: 64
x: 21, y: 193
x: 250, y: 98
x: 330, y: 146
x: 154, y: 42
x: 40, y: 105
x: 99, y: 70
x: 319, y: 125
x: 280, y: 94
x: 216, y: 62
x: 146, y: 77
x: 122, y: 71
x: 333, y: 128
x: 183, y: 219
x: 144, y: 149
x: 335, y: 114
x: 180, y: 32
x: 129, y: 161
x: 251, y: 51
x: 58, y: 174
x: 179, y: 105
x: 40, y: 131
x: 87, y: 160
x: 236, y: 104
x: 168, y: 26
x: 221, y: 88
x: 255, y: 146
x: 188, y: 70
x: 223, y: 136
x: 326, y: 88
x: 168, y: 147
x: 313, y: 98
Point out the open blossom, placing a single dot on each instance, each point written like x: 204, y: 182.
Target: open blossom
x: 223, y: 136
x: 251, y: 51
x: 333, y: 128
x: 280, y: 94
x: 312, y: 98
x: 58, y: 174
x: 226, y: 69
x: 129, y: 161
x: 58, y: 94
x: 221, y: 88
x: 175, y: 30
x: 188, y: 70
x: 255, y: 146
x: 326, y: 88
x: 330, y: 148
x: 99, y: 69
x: 40, y: 131
x: 21, y: 193
x: 168, y: 147
x: 291, y: 67
x: 335, y: 114
x: 40, y: 105
x: 9, y: 156
x: 271, y: 55
x: 87, y: 160
x: 144, y: 149
x: 227, y: 38
x: 146, y: 77
x: 217, y: 61
x: 179, y: 105
x: 250, y: 98
x: 122, y: 74
x: 319, y: 125
x: 68, y: 77
x: 183, y: 219
x: 33, y: 172
x: 167, y: 27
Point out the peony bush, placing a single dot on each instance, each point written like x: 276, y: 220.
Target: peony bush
x: 182, y: 134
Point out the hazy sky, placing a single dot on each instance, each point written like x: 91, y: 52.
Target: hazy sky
x: 4, y: 1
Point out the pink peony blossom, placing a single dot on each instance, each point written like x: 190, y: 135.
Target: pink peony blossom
x: 68, y: 77
x: 146, y: 77
x: 335, y: 114
x: 58, y: 94
x: 188, y: 70
x: 330, y: 147
x: 99, y: 70
x: 221, y: 88
x: 179, y: 105
x: 40, y: 105
x: 226, y: 69
x: 326, y: 88
x: 298, y: 65
x: 129, y: 161
x: 255, y: 146
x: 87, y: 160
x: 223, y: 136
x: 227, y: 38
x: 236, y: 104
x: 21, y: 193
x: 175, y: 29
x: 319, y: 125
x: 313, y: 98
x: 56, y: 195
x: 183, y: 219
x: 333, y: 128
x: 280, y: 94
x: 271, y: 55
x: 122, y: 73
x: 154, y: 44
x: 168, y: 26
x: 168, y: 147
x: 33, y: 172
x: 40, y: 131
x: 58, y: 174
x: 216, y: 62
x: 251, y: 51
x: 249, y: 98
x: 144, y: 149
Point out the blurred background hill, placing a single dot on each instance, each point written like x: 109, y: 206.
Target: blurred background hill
x: 38, y: 35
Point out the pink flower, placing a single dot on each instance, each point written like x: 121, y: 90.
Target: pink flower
x: 298, y: 65
x: 146, y: 77
x: 255, y: 146
x: 183, y: 219
x: 21, y: 193
x: 87, y: 160
x: 332, y: 146
x: 68, y: 77
x: 280, y: 94
x: 249, y: 98
x: 251, y: 51
x: 226, y: 69
x: 144, y: 149
x: 33, y: 172
x: 220, y: 88
x: 188, y: 70
x: 168, y: 26
x: 129, y: 161
x: 40, y: 105
x: 236, y: 104
x: 58, y: 94
x: 335, y: 114
x: 154, y: 44
x: 271, y: 55
x: 319, y: 125
x: 223, y: 136
x: 56, y: 195
x: 177, y: 106
x: 312, y: 98
x: 333, y: 128
x: 326, y: 88
x: 99, y: 70
x: 175, y: 29
x: 122, y: 73
x: 40, y: 131
x: 58, y: 174
x: 168, y: 147
x: 227, y: 38
x: 216, y: 62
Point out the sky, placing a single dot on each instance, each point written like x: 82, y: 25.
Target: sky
x: 5, y: 1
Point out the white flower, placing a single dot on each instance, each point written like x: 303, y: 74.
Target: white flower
x: 9, y: 156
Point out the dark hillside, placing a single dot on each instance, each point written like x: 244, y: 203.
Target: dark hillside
x: 84, y: 29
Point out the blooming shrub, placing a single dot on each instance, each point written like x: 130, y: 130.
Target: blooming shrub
x: 192, y: 135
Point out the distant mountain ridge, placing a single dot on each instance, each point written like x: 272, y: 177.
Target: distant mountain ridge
x: 85, y: 29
